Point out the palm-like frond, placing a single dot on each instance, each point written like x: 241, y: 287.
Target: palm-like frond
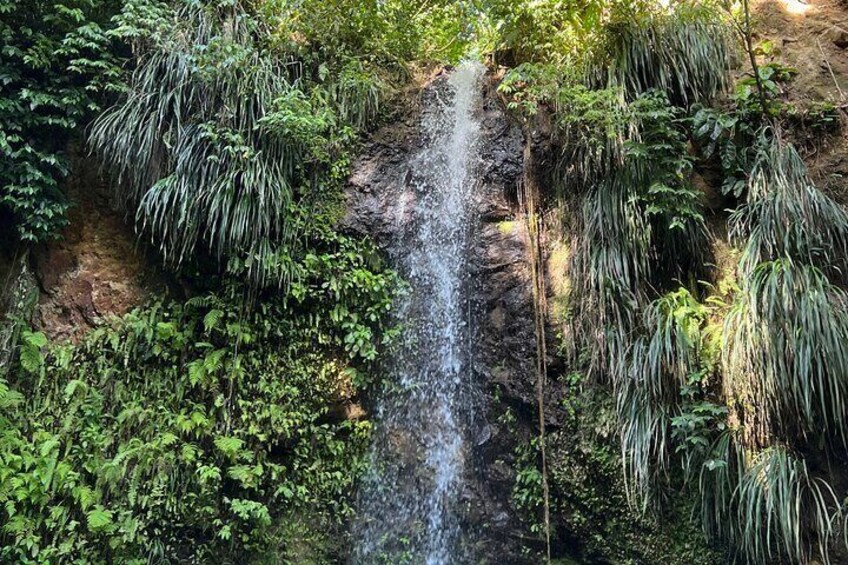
x: 610, y: 270
x: 784, y: 353
x: 720, y: 474
x: 188, y: 145
x: 785, y: 215
x: 766, y: 504
x: 660, y: 362
x: 784, y: 358
x: 645, y: 441
x: 781, y: 510
x: 683, y: 51
x: 357, y: 93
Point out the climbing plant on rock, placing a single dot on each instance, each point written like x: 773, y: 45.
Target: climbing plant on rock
x: 197, y: 431
x: 55, y: 68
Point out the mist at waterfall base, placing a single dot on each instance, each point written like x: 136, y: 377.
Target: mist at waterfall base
x: 409, y: 507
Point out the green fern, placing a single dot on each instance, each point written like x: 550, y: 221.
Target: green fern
x: 212, y: 319
x: 31, y: 346
x: 98, y: 519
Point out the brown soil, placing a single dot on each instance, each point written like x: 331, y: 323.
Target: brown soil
x: 96, y: 269
x: 812, y: 36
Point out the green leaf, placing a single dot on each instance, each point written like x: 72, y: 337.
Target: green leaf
x: 229, y: 446
x: 98, y: 519
x: 210, y: 321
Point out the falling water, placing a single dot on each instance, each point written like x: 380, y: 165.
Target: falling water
x: 410, y: 504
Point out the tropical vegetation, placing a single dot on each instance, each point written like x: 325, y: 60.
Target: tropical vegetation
x: 205, y: 426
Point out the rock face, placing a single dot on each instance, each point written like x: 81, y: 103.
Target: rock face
x: 95, y: 269
x: 380, y: 199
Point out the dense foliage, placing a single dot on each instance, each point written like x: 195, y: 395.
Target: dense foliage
x: 197, y: 431
x: 209, y: 428
x: 212, y: 428
x: 56, y: 63
x: 590, y: 495
x: 741, y: 382
x: 223, y: 142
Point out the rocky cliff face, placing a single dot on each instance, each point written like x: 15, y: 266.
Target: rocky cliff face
x: 94, y: 270
x: 380, y: 195
x: 97, y: 268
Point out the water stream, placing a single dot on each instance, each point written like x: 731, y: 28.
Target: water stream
x: 410, y: 504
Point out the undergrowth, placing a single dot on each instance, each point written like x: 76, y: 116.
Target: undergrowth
x: 197, y: 431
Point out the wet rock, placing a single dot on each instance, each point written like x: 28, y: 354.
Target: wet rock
x: 484, y: 435
x: 381, y: 198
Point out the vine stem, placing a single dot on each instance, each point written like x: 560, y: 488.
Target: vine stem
x: 749, y: 43
x: 527, y: 196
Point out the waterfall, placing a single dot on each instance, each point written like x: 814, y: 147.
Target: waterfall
x: 409, y: 504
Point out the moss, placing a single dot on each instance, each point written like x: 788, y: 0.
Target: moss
x: 560, y: 284
x: 507, y: 226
